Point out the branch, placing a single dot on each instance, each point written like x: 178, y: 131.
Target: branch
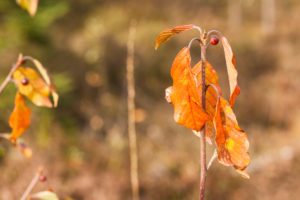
x: 131, y: 113
x: 33, y: 182
x: 13, y: 69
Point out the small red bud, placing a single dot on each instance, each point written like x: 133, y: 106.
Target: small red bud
x: 214, y: 40
x: 42, y: 178
x: 23, y: 61
x: 25, y: 81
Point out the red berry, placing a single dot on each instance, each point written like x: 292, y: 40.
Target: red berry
x: 24, y: 81
x: 214, y: 40
x: 43, y: 178
x: 23, y: 61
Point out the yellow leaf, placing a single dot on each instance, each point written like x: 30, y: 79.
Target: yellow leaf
x: 29, y: 5
x: 31, y: 85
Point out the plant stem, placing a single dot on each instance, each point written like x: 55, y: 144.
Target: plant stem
x: 33, y: 182
x: 202, y: 138
x: 8, y: 77
x: 131, y: 114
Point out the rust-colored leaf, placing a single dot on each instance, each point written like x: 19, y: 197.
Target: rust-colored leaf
x: 231, y: 141
x: 166, y: 34
x: 20, y: 118
x: 231, y: 70
x: 211, y: 77
x: 29, y: 5
x: 185, y: 95
x: 31, y: 85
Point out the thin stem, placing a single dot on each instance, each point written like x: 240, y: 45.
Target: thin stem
x: 214, y: 156
x: 33, y: 182
x: 13, y: 69
x: 8, y: 78
x: 202, y: 139
x: 131, y: 114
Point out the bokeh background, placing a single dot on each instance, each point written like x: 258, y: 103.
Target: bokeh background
x: 83, y: 144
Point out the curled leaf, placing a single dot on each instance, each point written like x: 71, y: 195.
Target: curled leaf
x: 231, y: 141
x: 20, y: 118
x: 48, y: 80
x: 231, y: 70
x: 185, y: 95
x: 45, y: 195
x: 31, y: 85
x: 29, y: 5
x: 166, y: 34
x: 211, y: 77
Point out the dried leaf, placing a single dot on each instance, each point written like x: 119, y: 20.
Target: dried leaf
x: 185, y: 95
x: 31, y: 85
x: 231, y: 70
x: 45, y: 195
x: 48, y: 80
x: 211, y: 77
x: 231, y: 141
x: 29, y: 5
x: 20, y: 118
x: 166, y: 34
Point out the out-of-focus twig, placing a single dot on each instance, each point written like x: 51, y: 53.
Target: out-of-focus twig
x: 33, y: 182
x: 131, y: 113
x: 13, y: 69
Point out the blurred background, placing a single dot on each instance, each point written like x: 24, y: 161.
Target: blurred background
x: 83, y: 144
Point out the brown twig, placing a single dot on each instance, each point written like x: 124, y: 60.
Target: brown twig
x: 131, y: 113
x: 13, y: 69
x: 33, y: 182
x: 202, y: 138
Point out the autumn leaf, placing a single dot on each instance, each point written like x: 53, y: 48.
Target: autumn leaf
x: 231, y: 70
x: 48, y: 80
x: 29, y: 5
x: 20, y: 118
x: 166, y: 34
x: 185, y: 95
x: 211, y: 77
x: 231, y: 140
x: 31, y: 85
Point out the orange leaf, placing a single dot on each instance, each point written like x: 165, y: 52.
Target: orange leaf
x: 29, y: 5
x: 231, y: 141
x: 185, y: 95
x: 166, y: 34
x: 20, y: 118
x: 211, y: 77
x: 31, y: 85
x: 231, y: 70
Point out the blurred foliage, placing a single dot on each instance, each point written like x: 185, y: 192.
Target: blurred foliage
x: 83, y: 45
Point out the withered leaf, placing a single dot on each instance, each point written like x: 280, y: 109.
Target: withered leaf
x: 211, y: 77
x: 185, y: 95
x: 166, y: 34
x: 231, y: 140
x: 231, y: 70
x: 19, y: 119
